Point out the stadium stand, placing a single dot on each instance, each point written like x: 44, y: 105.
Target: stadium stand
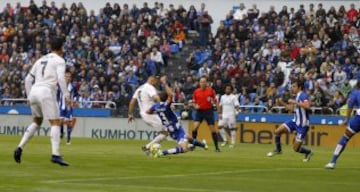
x: 259, y: 52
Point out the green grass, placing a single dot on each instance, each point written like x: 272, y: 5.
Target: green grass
x: 116, y: 165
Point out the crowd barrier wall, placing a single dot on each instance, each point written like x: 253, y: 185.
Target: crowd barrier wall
x: 252, y: 128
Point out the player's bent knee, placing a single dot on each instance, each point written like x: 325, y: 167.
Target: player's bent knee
x: 38, y: 120
x: 164, y: 133
x: 296, y: 147
x: 280, y: 130
x: 55, y: 122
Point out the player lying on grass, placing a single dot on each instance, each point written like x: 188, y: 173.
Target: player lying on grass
x: 172, y: 124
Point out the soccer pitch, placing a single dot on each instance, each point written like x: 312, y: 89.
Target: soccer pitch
x: 119, y: 165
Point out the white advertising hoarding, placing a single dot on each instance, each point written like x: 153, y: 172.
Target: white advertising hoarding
x: 89, y: 127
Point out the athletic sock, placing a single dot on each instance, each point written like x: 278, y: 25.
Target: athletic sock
x: 233, y: 136
x: 55, y: 139
x: 157, y: 139
x: 278, y: 143
x: 195, y: 142
x: 61, y: 131
x: 223, y: 134
x: 340, y: 148
x: 215, y: 139
x: 175, y: 150
x: 194, y: 134
x: 29, y: 133
x: 68, y: 135
x: 304, y: 150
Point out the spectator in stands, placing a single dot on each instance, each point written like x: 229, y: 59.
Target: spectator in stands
x: 156, y: 56
x: 84, y: 100
x: 240, y: 12
x: 205, y: 21
x: 258, y: 106
x: 150, y: 66
x: 179, y: 37
x: 339, y: 76
x: 345, y: 88
x: 352, y: 13
x: 132, y: 80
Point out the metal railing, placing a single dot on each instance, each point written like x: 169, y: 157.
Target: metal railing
x: 112, y: 105
x: 252, y: 107
x: 24, y: 101
x: 337, y: 112
x: 13, y: 101
x: 106, y: 104
x: 313, y: 110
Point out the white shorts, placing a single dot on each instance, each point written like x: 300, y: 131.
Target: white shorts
x: 43, y: 103
x: 229, y: 122
x: 153, y: 120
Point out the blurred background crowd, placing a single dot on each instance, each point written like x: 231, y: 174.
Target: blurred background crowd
x: 258, y: 52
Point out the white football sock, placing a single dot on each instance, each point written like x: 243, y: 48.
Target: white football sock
x: 157, y: 139
x: 233, y: 136
x: 29, y: 133
x: 223, y: 134
x: 55, y: 139
x: 172, y: 151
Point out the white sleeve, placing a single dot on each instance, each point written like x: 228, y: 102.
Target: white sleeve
x: 220, y: 101
x: 152, y: 91
x: 29, y: 80
x: 236, y: 101
x: 135, y: 96
x: 61, y: 79
x: 29, y: 83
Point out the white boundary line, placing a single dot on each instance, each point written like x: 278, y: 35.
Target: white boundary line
x: 176, y: 175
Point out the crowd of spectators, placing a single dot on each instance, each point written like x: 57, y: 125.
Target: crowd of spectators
x: 109, y: 53
x: 260, y: 52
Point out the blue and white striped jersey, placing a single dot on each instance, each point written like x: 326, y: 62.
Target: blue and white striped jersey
x: 301, y: 116
x: 168, y: 117
x: 61, y: 99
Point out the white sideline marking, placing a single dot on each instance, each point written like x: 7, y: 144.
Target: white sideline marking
x: 175, y: 175
x: 124, y: 186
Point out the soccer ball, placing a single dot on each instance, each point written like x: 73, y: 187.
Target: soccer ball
x: 155, y: 148
x: 184, y: 114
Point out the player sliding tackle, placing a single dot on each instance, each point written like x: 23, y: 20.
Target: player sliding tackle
x: 172, y: 124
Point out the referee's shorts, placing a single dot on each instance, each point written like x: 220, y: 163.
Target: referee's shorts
x: 207, y: 115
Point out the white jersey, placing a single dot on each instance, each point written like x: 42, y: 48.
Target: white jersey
x: 144, y: 96
x: 49, y: 71
x: 228, y: 104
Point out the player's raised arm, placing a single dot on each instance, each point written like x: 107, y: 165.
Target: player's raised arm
x: 167, y: 90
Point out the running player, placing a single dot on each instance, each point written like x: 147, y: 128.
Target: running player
x: 47, y: 73
x: 353, y: 125
x: 300, y: 123
x: 66, y: 111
